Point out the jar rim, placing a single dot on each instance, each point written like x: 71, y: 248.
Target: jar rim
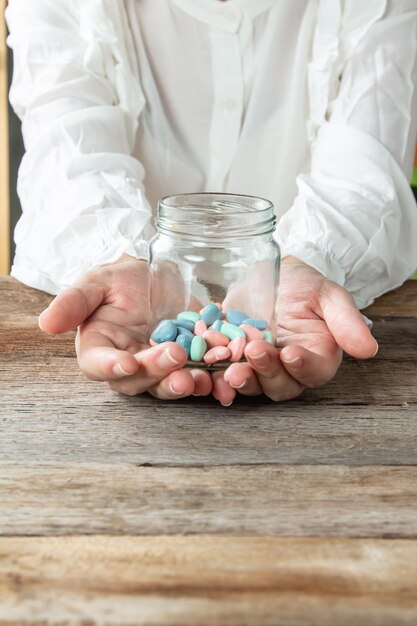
x: 215, y: 215
x: 256, y: 200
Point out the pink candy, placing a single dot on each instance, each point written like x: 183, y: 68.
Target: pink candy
x: 215, y: 338
x: 200, y: 328
x: 219, y: 353
x: 236, y: 347
x: 251, y: 332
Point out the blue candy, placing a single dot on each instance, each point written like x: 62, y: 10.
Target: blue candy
x: 217, y: 325
x: 185, y: 332
x: 185, y: 342
x: 188, y: 324
x: 210, y: 314
x: 165, y: 331
x: 260, y: 324
x: 235, y: 317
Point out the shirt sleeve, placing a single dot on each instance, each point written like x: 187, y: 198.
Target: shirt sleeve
x: 354, y: 217
x: 76, y: 92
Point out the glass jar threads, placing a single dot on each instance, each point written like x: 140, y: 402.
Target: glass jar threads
x: 215, y: 269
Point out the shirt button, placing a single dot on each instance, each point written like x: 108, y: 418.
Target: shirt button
x: 230, y: 105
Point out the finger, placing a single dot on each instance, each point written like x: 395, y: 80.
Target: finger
x: 155, y: 364
x: 202, y: 382
x: 274, y: 379
x: 175, y: 386
x: 222, y: 391
x: 310, y: 368
x: 71, y: 307
x: 346, y: 323
x: 241, y: 377
x: 99, y: 359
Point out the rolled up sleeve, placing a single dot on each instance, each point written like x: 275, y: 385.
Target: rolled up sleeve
x: 354, y: 217
x: 81, y: 191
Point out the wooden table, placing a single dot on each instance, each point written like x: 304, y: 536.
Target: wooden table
x: 118, y: 510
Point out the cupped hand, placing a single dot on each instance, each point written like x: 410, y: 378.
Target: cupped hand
x: 318, y: 320
x: 110, y: 306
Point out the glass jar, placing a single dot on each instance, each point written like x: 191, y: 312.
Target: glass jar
x: 215, y: 248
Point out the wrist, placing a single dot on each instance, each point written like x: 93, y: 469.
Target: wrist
x: 292, y: 260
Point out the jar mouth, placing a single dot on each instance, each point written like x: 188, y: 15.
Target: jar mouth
x: 215, y: 216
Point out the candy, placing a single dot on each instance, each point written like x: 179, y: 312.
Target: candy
x: 232, y: 331
x: 198, y: 348
x: 251, y: 332
x: 184, y: 342
x: 208, y: 337
x: 186, y: 333
x: 235, y: 317
x: 193, y: 316
x: 261, y: 324
x: 200, y: 328
x: 165, y: 331
x: 236, y: 347
x: 219, y: 353
x: 214, y: 338
x: 210, y: 314
x: 188, y: 324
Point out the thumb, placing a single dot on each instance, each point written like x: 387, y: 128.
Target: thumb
x: 346, y: 323
x: 71, y: 307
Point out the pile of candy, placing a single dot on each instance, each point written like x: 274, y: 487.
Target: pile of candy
x: 209, y: 337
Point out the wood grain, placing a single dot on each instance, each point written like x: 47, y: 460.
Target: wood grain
x: 277, y: 500
x: 300, y: 513
x: 401, y: 302
x: 190, y: 434
x: 206, y: 580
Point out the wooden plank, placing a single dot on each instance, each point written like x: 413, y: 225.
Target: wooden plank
x: 196, y: 434
x: 19, y: 304
x: 104, y: 427
x: 180, y: 581
x: 400, y: 302
x: 287, y: 500
x: 4, y: 150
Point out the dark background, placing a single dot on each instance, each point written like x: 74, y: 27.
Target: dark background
x: 16, y: 150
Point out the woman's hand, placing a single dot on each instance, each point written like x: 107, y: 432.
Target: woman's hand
x: 110, y: 307
x: 318, y: 319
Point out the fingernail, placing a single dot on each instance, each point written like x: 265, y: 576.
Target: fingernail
x: 177, y: 393
x: 119, y: 371
x: 228, y: 404
x: 293, y: 362
x: 240, y: 386
x: 166, y: 360
x: 376, y: 349
x: 41, y: 315
x: 261, y: 360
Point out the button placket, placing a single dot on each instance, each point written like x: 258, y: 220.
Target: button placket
x: 227, y: 106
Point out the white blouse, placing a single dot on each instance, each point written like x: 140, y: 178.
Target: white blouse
x: 309, y: 103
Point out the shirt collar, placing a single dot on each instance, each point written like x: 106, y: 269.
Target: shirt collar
x: 223, y: 15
